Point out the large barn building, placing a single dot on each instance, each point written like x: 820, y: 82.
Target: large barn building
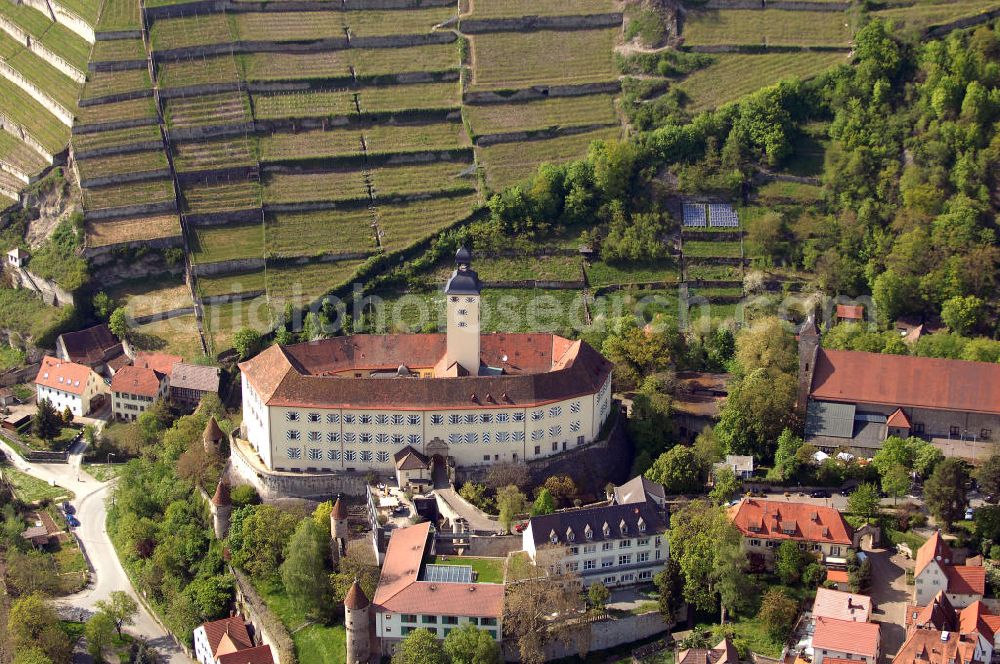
x: 351, y: 403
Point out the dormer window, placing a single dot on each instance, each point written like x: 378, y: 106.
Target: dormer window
x: 570, y: 536
x: 553, y: 537
x: 623, y: 527
x: 607, y: 529
x: 642, y: 525
x: 588, y: 532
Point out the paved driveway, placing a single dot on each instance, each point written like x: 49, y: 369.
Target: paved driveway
x: 891, y: 595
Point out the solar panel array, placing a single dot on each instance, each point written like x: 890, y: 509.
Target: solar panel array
x: 722, y: 215
x: 448, y: 573
x: 694, y: 214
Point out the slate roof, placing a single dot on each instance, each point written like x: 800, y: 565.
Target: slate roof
x: 907, y: 381
x: 194, y: 377
x: 635, y: 517
x: 767, y: 519
x: 540, y: 368
x: 64, y: 376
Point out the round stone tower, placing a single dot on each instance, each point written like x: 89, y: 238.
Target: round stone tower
x: 213, y: 437
x: 339, y: 531
x: 356, y: 609
x: 222, y: 507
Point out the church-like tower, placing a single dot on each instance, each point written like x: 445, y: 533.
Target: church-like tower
x: 463, y: 292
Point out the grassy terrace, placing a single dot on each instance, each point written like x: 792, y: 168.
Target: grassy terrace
x: 381, y: 139
x: 336, y: 64
x: 518, y: 8
x: 410, y: 97
x: 376, y: 23
x: 409, y: 179
x: 220, y: 196
x: 314, y: 643
x: 31, y: 489
x: 702, y: 249
x: 377, y: 61
x: 133, y: 162
x: 222, y: 320
x: 733, y: 75
x: 147, y: 296
x: 106, y: 83
x: 57, y: 38
x: 137, y: 229
x: 188, y: 31
x: 177, y: 336
x: 556, y: 268
x: 130, y: 193
x: 197, y: 71
x: 231, y: 283
x: 291, y: 26
x: 559, y: 111
x: 57, y: 85
x: 321, y: 232
x: 85, y: 9
x: 119, y: 15
x: 118, y: 50
x: 778, y: 192
x: 303, y: 105
x: 119, y: 111
x: 304, y: 283
x: 313, y: 144
x: 927, y: 14
x: 508, y: 163
x: 222, y: 243
x: 25, y: 111
x: 206, y: 155
x: 307, y: 187
x: 403, y: 224
x: 106, y: 139
x: 770, y: 26
x: 19, y: 155
x: 220, y: 109
x: 578, y: 56
x: 604, y: 274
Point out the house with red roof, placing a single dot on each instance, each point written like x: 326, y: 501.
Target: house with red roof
x: 69, y: 385
x: 935, y: 571
x: 842, y: 606
x: 834, y: 640
x: 765, y: 524
x: 228, y: 641
x: 939, y: 634
x: 850, y: 313
x: 856, y: 400
x: 137, y: 387
x: 413, y: 594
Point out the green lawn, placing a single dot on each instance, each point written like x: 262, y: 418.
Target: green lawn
x: 600, y: 273
x: 103, y: 472
x: 10, y: 357
x: 488, y: 570
x: 315, y: 644
x: 58, y: 443
x: 31, y: 489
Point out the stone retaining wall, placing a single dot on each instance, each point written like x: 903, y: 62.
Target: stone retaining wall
x: 529, y: 23
x: 139, y: 210
x: 117, y: 149
x: 715, y: 260
x: 36, y: 47
x: 195, y: 90
x: 790, y: 5
x: 272, y: 485
x: 541, y: 92
x: 108, y: 250
x: 266, y: 625
x: 36, y: 93
x: 229, y: 298
x: 116, y: 65
x: 540, y: 134
x: 227, y: 267
x: 73, y: 22
x: 111, y: 126
x: 16, y: 172
x: 222, y: 218
x: 754, y: 49
x: 962, y: 23
x: 121, y: 96
x: 603, y: 635
x: 16, y: 130
x: 164, y: 315
x: 533, y: 283
x: 122, y: 178
x: 50, y: 292
x: 214, y: 131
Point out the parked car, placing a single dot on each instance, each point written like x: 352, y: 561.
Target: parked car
x: 72, y: 521
x: 68, y: 508
x: 820, y: 493
x: 519, y: 528
x: 848, y: 490
x: 969, y: 513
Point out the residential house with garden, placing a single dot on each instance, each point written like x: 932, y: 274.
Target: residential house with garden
x: 415, y: 593
x: 935, y: 571
x: 617, y: 544
x: 69, y: 385
x: 741, y: 465
x: 840, y: 605
x: 837, y: 641
x: 134, y: 390
x: 765, y: 524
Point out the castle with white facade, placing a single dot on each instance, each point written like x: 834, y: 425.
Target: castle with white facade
x: 353, y: 402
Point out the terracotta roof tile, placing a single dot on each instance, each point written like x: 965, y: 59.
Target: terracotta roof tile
x: 767, y: 516
x: 356, y: 598
x: 930, y: 646
x: 221, y: 496
x: 64, y: 376
x: 233, y: 626
x: 966, y: 580
x: 837, y: 575
x: 973, y: 619
x: 846, y: 636
x: 258, y: 655
x: 137, y: 380
x: 159, y: 362
x: 841, y: 605
x: 907, y: 381
x: 898, y: 419
x: 850, y: 311
x: 938, y: 614
x: 339, y: 510
x: 935, y: 548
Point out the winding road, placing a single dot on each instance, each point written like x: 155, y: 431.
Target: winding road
x: 107, y: 574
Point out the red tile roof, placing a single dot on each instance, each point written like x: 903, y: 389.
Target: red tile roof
x: 850, y: 311
x: 339, y: 510
x: 232, y: 626
x: 540, y: 368
x: 939, y: 614
x: 966, y: 580
x: 356, y: 598
x: 258, y: 655
x: 841, y: 605
x: 137, y: 380
x: 400, y: 591
x: 906, y: 381
x: 973, y: 619
x: 837, y: 575
x: 846, y: 636
x: 158, y: 362
x: 898, y: 419
x: 769, y: 519
x: 935, y: 548
x: 64, y: 376
x: 929, y: 646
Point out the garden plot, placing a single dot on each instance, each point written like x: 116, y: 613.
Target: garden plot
x: 923, y: 15
x: 21, y: 108
x: 710, y: 249
x: 291, y: 26
x: 600, y: 273
x: 403, y: 224
x: 220, y: 196
x: 531, y: 310
x: 197, y: 71
x: 508, y: 163
x: 245, y: 282
x: 302, y: 284
x: 118, y: 50
x: 542, y: 268
x: 734, y: 75
x: 188, y: 31
x: 176, y: 336
x: 396, y: 98
x: 304, y: 105
x: 57, y: 85
x: 20, y: 156
x: 777, y: 192
x: 381, y: 23
x: 314, y: 187
x: 314, y: 144
x: 119, y: 15
x: 322, y: 232
x: 543, y: 57
x: 150, y: 296
x: 208, y: 110
x: 208, y: 155
x: 130, y: 193
x: 555, y: 112
x: 222, y: 243
x: 137, y: 229
x: 438, y: 177
x: 380, y: 139
x: 119, y: 137
x: 768, y: 27
x: 519, y: 8
x: 133, y: 162
x: 108, y: 83
x: 119, y: 111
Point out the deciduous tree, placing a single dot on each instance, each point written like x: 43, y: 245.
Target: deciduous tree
x: 777, y: 613
x: 726, y: 485
x: 120, y: 608
x: 99, y: 631
x: 304, y: 572
x: 598, y: 595
x: 544, y: 503
x: 420, y: 647
x: 865, y: 501
x: 988, y: 476
x: 469, y: 644
x: 510, y: 503
x: 944, y: 491
x: 677, y: 470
